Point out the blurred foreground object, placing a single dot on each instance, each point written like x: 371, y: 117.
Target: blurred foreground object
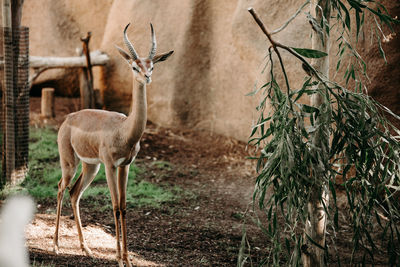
x: 15, y: 215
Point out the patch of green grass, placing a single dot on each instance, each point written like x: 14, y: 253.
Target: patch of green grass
x: 163, y: 165
x: 44, y: 168
x: 40, y: 264
x: 147, y: 194
x: 138, y: 194
x: 45, y: 172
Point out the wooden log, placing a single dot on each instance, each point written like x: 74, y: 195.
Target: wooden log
x: 97, y: 59
x: 47, y: 103
x: 41, y: 64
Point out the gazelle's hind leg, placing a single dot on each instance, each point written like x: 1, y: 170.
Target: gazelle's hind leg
x: 89, y: 171
x: 68, y: 168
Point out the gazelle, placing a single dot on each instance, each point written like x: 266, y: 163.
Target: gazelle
x: 97, y: 136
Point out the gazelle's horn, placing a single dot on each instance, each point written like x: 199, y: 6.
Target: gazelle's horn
x: 153, y: 43
x: 129, y: 45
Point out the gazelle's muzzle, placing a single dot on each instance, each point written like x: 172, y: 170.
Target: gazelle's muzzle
x: 148, y: 79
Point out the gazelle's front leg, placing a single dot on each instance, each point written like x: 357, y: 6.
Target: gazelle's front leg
x: 123, y: 172
x: 113, y: 186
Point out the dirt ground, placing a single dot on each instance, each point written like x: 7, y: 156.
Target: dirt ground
x: 202, y: 229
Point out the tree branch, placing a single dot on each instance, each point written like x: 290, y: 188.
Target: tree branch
x: 276, y: 44
x: 35, y: 75
x: 291, y: 18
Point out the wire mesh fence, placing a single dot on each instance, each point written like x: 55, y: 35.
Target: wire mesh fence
x: 14, y: 47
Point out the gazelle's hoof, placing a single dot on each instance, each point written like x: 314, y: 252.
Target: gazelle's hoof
x: 55, y: 249
x: 87, y: 251
x: 128, y: 263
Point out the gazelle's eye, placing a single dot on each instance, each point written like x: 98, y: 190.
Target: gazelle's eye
x: 136, y: 69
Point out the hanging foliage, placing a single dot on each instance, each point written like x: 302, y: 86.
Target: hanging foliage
x: 358, y: 153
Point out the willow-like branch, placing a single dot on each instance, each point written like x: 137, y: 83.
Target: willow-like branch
x: 291, y: 18
x: 276, y: 44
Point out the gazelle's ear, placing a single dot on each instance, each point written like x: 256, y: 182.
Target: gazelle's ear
x: 162, y: 57
x: 123, y: 53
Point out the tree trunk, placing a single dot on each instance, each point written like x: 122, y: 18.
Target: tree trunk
x: 316, y: 226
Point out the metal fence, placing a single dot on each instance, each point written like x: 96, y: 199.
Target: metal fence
x: 14, y: 47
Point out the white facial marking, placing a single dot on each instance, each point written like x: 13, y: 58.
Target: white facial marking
x: 135, y: 67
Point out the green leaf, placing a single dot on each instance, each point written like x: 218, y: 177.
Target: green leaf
x: 356, y: 5
x: 333, y: 191
x: 338, y: 65
x: 303, y: 89
x: 370, y: 240
x: 381, y: 51
x: 347, y: 18
x: 310, y: 109
x: 257, y: 90
x: 336, y: 218
x: 253, y: 131
x: 287, y: 245
x: 358, y: 24
x: 314, y: 242
x: 385, y: 18
x: 310, y: 53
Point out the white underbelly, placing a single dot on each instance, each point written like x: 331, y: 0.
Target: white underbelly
x: 117, y: 163
x: 90, y: 160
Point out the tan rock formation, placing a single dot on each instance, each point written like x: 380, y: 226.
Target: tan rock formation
x: 218, y: 54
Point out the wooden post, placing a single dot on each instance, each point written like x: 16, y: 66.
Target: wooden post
x: 98, y: 100
x: 9, y: 137
x: 12, y: 13
x: 86, y: 76
x: 84, y: 89
x: 16, y: 9
x: 47, y: 103
x: 86, y: 52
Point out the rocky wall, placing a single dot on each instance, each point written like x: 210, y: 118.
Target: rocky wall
x: 219, y: 55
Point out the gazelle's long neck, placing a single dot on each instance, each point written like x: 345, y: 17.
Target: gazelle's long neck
x: 136, y: 122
